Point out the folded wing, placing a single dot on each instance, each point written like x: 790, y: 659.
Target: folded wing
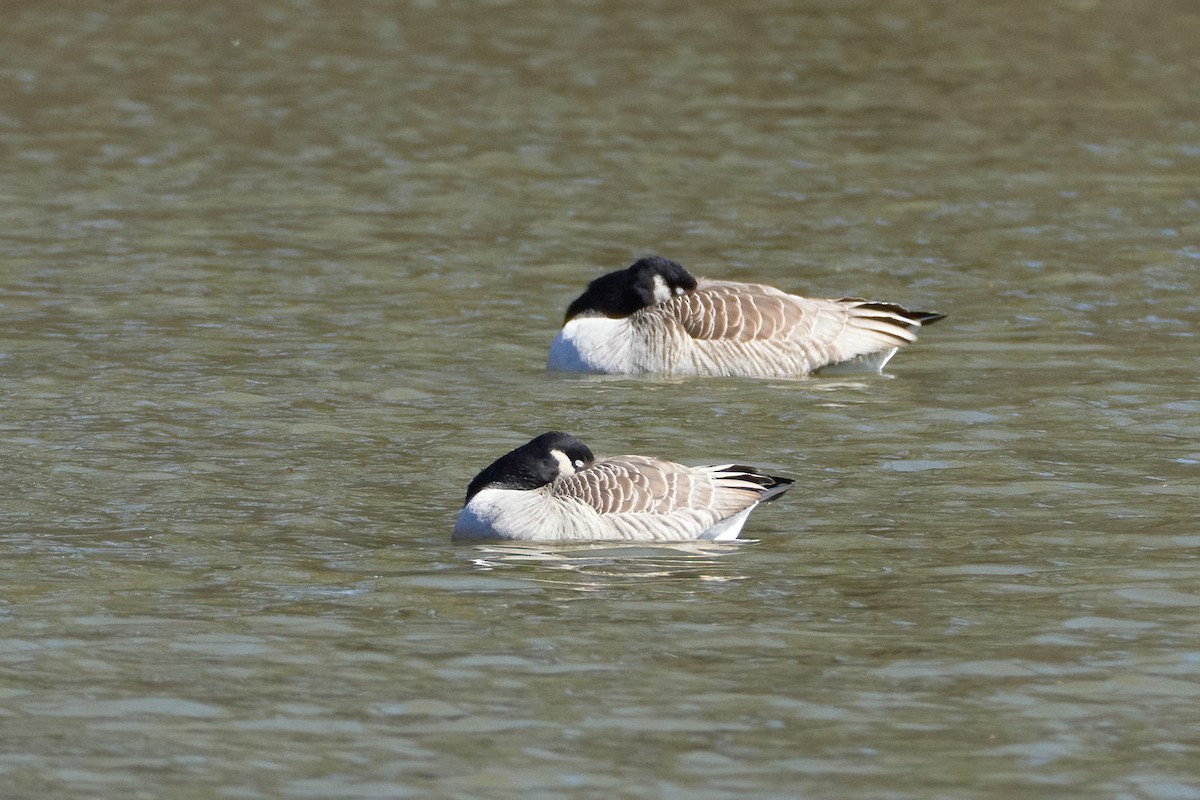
x: 738, y: 322
x: 742, y: 312
x: 640, y: 485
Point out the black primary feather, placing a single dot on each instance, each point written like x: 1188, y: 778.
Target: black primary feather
x: 772, y: 485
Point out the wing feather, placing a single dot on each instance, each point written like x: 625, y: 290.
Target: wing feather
x: 728, y: 328
x: 641, y: 485
x: 638, y: 485
x: 736, y: 311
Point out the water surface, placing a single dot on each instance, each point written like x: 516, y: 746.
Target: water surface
x: 278, y: 280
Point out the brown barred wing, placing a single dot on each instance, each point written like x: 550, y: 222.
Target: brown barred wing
x: 640, y: 485
x: 739, y: 312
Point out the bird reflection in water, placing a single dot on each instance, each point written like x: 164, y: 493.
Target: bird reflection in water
x: 705, y: 561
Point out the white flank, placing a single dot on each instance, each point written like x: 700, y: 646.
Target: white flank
x: 871, y: 362
x: 728, y: 529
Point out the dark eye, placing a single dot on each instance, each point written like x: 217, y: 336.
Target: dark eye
x: 578, y: 463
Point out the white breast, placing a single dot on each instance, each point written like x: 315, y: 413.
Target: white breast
x: 593, y: 344
x: 528, y: 514
x: 500, y: 514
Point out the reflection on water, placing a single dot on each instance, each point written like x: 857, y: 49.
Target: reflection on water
x: 276, y: 279
x: 596, y: 565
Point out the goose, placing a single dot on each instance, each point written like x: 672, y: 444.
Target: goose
x: 655, y: 317
x: 553, y: 489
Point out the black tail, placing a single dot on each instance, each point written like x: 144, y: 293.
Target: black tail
x: 915, y: 319
x: 926, y: 317
x: 772, y: 485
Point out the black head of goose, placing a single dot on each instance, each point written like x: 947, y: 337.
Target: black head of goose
x: 655, y: 317
x: 553, y: 489
x: 647, y: 282
x: 537, y: 463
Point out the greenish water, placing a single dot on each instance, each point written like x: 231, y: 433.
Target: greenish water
x: 278, y: 279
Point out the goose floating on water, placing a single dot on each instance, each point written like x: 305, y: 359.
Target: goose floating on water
x: 554, y: 489
x: 655, y: 317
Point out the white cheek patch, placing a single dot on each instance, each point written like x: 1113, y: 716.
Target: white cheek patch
x: 565, y: 467
x: 662, y: 292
